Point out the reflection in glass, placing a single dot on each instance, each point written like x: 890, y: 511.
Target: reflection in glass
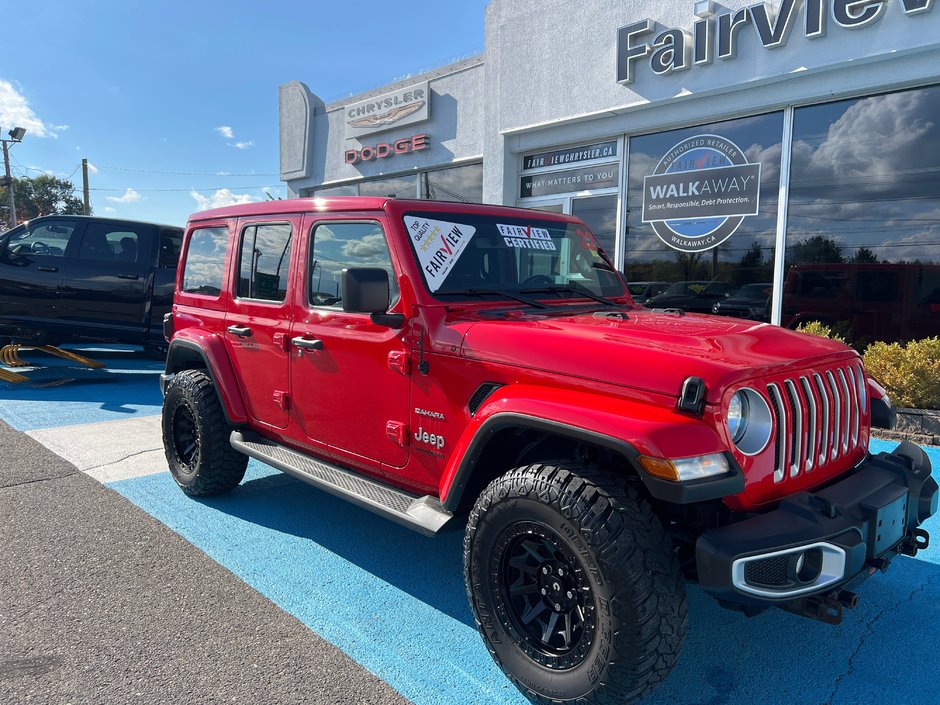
x: 205, y: 259
x: 600, y: 215
x: 394, y: 187
x: 338, y: 246
x: 462, y: 183
x: 744, y: 258
x: 264, y: 261
x: 863, y: 224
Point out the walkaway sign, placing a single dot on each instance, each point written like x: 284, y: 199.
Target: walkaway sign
x: 700, y: 192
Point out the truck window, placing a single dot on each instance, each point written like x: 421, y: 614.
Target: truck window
x: 338, y: 246
x: 49, y: 239
x: 876, y: 286
x: 111, y: 243
x: 205, y: 259
x: 171, y: 242
x: 264, y: 260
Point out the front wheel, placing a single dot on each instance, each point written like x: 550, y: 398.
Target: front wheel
x: 196, y: 437
x: 574, y: 585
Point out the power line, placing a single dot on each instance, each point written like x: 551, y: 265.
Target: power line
x: 182, y: 173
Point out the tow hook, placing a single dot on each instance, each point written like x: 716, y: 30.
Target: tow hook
x: 915, y: 541
x: 826, y: 608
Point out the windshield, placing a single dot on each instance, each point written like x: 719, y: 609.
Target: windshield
x: 471, y: 254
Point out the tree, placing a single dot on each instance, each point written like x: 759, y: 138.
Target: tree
x: 864, y: 256
x: 43, y: 195
x: 816, y: 250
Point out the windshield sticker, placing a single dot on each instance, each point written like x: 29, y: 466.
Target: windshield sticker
x: 526, y: 237
x: 439, y: 244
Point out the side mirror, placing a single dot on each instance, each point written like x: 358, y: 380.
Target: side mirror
x: 366, y: 290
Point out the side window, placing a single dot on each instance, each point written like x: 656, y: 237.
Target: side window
x: 264, y: 260
x: 205, y: 260
x: 171, y: 242
x: 876, y: 286
x: 339, y: 246
x: 112, y: 243
x: 49, y: 238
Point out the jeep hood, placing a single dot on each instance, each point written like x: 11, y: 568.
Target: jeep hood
x: 646, y: 350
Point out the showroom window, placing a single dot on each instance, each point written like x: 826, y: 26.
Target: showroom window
x: 701, y: 214
x: 863, y: 217
x: 458, y: 183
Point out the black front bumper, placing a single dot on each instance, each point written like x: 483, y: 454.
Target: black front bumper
x: 843, y: 532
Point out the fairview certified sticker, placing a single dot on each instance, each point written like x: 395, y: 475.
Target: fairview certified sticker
x: 526, y: 237
x: 439, y: 244
x: 700, y: 192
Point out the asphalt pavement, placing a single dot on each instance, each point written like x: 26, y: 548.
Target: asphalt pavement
x: 101, y: 603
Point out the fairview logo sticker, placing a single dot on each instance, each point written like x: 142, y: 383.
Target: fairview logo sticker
x: 439, y: 244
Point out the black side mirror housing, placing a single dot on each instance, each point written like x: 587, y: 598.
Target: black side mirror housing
x: 366, y: 290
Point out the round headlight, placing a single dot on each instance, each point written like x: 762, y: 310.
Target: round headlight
x: 737, y: 416
x: 749, y: 421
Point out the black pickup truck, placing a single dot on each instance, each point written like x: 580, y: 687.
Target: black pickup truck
x: 66, y: 278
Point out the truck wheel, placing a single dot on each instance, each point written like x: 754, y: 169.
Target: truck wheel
x: 196, y: 437
x: 574, y: 585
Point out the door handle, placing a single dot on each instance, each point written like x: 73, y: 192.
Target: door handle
x: 240, y: 331
x: 128, y: 276
x: 307, y: 343
x: 48, y: 268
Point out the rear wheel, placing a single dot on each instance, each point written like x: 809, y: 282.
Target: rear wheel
x: 196, y: 437
x: 574, y: 585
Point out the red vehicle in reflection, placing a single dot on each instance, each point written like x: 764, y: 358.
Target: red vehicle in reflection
x: 877, y: 301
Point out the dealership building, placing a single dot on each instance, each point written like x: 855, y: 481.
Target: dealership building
x: 780, y: 159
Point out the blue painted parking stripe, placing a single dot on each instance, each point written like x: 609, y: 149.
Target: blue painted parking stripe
x: 395, y: 602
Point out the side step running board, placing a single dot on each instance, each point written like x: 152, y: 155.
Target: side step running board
x: 424, y: 514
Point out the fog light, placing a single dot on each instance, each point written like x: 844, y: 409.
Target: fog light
x: 805, y: 567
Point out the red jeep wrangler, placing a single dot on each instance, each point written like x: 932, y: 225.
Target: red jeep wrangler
x: 426, y: 359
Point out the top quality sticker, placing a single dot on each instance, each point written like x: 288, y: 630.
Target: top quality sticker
x: 700, y: 192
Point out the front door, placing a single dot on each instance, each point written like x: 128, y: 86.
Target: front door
x: 349, y: 376
x: 257, y: 322
x: 31, y: 269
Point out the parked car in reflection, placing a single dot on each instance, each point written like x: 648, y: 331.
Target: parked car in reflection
x: 870, y: 301
x: 695, y: 296
x: 641, y: 292
x: 750, y: 301
x: 83, y: 278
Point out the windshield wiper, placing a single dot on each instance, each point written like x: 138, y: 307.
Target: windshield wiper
x: 573, y: 288
x: 495, y: 292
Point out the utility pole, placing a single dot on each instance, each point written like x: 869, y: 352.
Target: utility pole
x: 85, y: 185
x: 16, y: 135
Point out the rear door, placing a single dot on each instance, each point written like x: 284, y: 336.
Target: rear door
x: 257, y: 323
x: 106, y: 284
x: 31, y: 268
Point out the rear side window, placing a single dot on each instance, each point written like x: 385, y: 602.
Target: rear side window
x: 264, y: 260
x: 205, y: 260
x: 111, y: 243
x: 171, y: 242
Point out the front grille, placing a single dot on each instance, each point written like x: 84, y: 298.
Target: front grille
x: 817, y: 417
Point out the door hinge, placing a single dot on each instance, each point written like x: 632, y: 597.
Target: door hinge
x: 400, y: 361
x: 397, y: 431
x: 282, y: 399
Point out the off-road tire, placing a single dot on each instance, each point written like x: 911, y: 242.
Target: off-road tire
x: 625, y: 572
x: 196, y: 437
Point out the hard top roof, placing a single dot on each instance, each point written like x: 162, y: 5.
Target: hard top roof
x: 359, y: 203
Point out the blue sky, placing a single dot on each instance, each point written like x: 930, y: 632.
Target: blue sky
x: 175, y: 103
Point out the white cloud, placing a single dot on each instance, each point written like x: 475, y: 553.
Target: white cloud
x: 225, y: 131
x: 130, y: 196
x: 92, y: 169
x: 15, y: 112
x: 109, y: 209
x: 244, y: 145
x: 222, y: 197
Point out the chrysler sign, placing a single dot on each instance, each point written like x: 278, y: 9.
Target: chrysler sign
x: 718, y: 34
x: 389, y: 111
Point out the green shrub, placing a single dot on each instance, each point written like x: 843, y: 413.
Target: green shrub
x: 910, y: 372
x: 820, y: 329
